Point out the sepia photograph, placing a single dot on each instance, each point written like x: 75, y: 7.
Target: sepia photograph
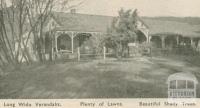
x: 102, y: 49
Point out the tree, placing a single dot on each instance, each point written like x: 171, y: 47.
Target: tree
x: 22, y: 21
x: 122, y: 31
x: 38, y: 13
x: 13, y: 17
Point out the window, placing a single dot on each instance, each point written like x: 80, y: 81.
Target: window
x: 181, y: 84
x: 190, y: 84
x: 173, y: 84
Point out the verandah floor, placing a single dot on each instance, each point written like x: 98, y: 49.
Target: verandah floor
x: 135, y: 78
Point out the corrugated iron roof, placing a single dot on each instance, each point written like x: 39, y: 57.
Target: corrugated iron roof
x: 157, y: 26
x: 83, y: 22
x: 98, y: 23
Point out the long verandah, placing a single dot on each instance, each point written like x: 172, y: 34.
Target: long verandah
x: 74, y: 44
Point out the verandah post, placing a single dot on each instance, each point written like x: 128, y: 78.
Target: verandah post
x: 163, y: 41
x: 56, y: 44
x: 177, y: 40
x: 192, y: 42
x: 104, y: 52
x: 72, y: 42
x: 78, y: 53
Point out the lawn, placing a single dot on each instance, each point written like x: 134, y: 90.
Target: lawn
x: 129, y: 78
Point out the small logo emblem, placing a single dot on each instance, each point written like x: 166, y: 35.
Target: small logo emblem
x: 182, y: 85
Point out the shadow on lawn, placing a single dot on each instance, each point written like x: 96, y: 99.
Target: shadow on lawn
x: 85, y: 80
x: 131, y: 79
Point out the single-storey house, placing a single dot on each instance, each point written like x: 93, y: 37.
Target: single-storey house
x: 70, y: 30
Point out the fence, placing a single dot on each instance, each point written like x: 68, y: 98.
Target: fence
x: 174, y: 51
x: 87, y: 56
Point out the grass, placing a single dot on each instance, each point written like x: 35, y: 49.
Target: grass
x: 133, y: 78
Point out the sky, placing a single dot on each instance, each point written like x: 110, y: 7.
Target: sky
x: 178, y: 8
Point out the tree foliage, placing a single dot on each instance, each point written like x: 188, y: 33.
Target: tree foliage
x: 122, y: 31
x: 23, y: 21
